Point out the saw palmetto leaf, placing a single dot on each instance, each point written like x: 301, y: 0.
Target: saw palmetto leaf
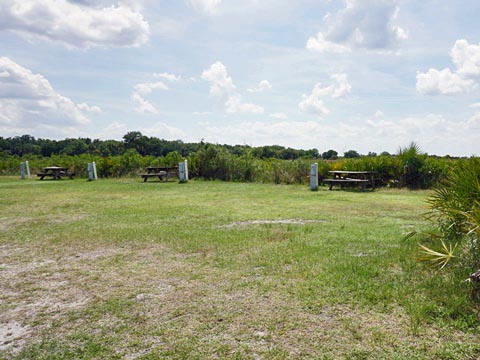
x: 437, y: 258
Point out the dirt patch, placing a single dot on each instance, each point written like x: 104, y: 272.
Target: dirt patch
x: 274, y: 222
x: 13, y: 336
x: 8, y: 223
x: 66, y: 218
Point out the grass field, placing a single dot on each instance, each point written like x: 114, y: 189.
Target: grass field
x: 125, y: 269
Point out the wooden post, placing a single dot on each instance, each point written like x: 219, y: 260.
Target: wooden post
x: 22, y: 170
x: 28, y: 168
x: 94, y: 170
x: 314, y: 177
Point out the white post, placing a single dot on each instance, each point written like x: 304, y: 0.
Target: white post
x: 28, y: 168
x: 314, y: 177
x: 186, y: 169
x: 94, y: 170
x: 22, y: 170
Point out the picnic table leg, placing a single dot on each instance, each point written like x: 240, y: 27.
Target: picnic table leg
x: 145, y: 178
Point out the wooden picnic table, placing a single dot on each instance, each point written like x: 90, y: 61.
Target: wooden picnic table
x: 56, y: 172
x: 160, y: 172
x: 347, y: 177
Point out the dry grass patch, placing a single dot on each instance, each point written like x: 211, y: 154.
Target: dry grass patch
x: 159, y: 302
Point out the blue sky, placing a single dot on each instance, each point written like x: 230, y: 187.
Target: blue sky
x: 368, y: 75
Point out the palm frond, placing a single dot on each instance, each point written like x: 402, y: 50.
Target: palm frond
x: 437, y: 258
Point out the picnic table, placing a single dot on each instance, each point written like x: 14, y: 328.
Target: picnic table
x: 160, y: 172
x: 347, y: 177
x: 55, y: 172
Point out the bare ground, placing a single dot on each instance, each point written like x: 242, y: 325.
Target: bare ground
x: 159, y: 300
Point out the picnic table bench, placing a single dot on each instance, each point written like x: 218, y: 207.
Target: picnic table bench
x: 346, y: 177
x: 55, y: 172
x: 160, y: 172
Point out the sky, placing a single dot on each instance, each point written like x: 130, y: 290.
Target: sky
x: 364, y: 75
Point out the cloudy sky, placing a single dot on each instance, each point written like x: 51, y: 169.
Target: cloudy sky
x: 368, y: 75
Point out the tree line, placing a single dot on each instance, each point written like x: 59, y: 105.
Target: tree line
x: 143, y: 145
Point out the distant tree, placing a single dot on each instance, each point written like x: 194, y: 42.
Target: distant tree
x: 313, y: 153
x: 371, y: 154
x: 131, y: 138
x: 350, y: 154
x: 73, y: 146
x: 385, y: 153
x: 330, y: 155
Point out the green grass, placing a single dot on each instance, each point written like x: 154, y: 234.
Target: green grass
x: 125, y: 269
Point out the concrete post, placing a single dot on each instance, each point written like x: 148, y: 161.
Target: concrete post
x: 94, y: 170
x: 181, y: 172
x: 186, y: 169
x: 314, y: 177
x: 28, y: 168
x: 90, y: 171
x: 22, y: 170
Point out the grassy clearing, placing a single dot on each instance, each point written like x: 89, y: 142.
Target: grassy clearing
x: 125, y: 269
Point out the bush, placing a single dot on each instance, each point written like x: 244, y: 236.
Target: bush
x: 455, y: 205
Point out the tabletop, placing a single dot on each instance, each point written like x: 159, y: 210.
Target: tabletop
x: 54, y: 168
x: 351, y: 172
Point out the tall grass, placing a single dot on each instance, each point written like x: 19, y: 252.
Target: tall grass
x: 215, y: 162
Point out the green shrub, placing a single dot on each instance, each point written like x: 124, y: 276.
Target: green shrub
x: 455, y: 205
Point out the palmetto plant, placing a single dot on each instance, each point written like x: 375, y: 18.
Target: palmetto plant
x: 455, y: 205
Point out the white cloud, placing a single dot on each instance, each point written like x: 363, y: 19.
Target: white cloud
x: 146, y: 88
x: 264, y: 85
x: 474, y: 121
x: 314, y: 104
x: 222, y: 87
x: 29, y: 102
x: 466, y: 58
x: 442, y: 82
x: 209, y: 7
x: 475, y: 105
x: 279, y: 116
x: 91, y: 109
x: 165, y: 131
x: 235, y: 105
x: 142, y: 105
x: 116, y: 130
x: 202, y: 113
x: 320, y: 44
x: 377, y: 134
x: 167, y: 76
x: 342, y: 87
x: 366, y: 24
x: 78, y: 26
x: 262, y: 133
x: 221, y: 84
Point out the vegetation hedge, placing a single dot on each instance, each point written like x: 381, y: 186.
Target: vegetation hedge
x: 408, y: 168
